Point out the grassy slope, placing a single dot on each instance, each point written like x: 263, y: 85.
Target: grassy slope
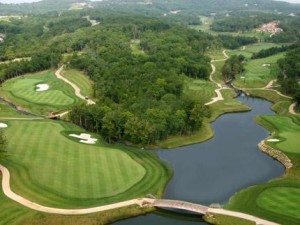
x: 253, y: 48
x: 66, y: 173
x: 21, y: 91
x: 81, y: 80
x: 12, y: 213
x: 277, y: 200
x: 257, y: 75
x: 221, y: 219
x: 281, y: 104
x: 205, y: 90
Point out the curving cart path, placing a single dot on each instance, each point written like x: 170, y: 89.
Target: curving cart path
x: 76, y: 88
x: 220, y: 87
x: 32, y: 205
x: 140, y: 202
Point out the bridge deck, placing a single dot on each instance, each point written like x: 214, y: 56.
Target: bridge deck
x: 173, y: 204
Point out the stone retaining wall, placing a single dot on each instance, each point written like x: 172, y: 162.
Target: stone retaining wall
x: 276, y: 154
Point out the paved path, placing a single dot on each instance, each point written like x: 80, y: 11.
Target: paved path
x: 76, y: 88
x: 174, y: 204
x: 269, y: 87
x: 32, y: 205
x: 257, y: 220
x: 292, y: 109
x: 220, y: 87
x: 141, y: 202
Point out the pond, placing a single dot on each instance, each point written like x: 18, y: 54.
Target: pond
x: 211, y: 172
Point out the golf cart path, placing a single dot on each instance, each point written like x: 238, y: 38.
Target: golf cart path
x: 141, y: 202
x: 32, y: 205
x: 269, y: 87
x: 76, y: 88
x: 220, y: 87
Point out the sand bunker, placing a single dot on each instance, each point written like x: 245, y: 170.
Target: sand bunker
x: 273, y: 140
x: 85, y: 138
x: 3, y: 125
x: 266, y: 65
x: 42, y: 87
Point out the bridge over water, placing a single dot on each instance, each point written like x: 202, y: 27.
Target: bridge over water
x: 182, y: 205
x: 201, y: 209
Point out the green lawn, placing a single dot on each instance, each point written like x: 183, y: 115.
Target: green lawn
x: 200, y: 89
x: 52, y: 169
x: 12, y: 213
x: 258, y: 72
x: 281, y: 200
x: 227, y: 220
x: 81, y: 80
x: 253, y: 48
x: 277, y: 200
x: 8, y: 111
x: 22, y: 91
x: 281, y: 104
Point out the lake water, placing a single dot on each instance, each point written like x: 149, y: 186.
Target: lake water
x: 211, y: 172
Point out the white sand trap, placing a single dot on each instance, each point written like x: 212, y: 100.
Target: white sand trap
x: 266, y: 65
x: 3, y: 125
x: 85, y: 138
x: 42, y: 87
x: 273, y: 140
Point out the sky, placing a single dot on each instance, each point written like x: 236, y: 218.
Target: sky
x: 21, y: 1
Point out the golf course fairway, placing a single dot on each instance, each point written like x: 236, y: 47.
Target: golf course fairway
x: 51, y: 168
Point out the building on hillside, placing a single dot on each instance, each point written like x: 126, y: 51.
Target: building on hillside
x: 271, y: 27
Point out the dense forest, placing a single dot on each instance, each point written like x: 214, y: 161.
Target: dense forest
x: 137, y: 92
x: 290, y: 74
x: 140, y: 96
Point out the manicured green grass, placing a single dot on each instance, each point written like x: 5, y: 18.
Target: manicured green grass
x: 200, y: 89
x: 81, y: 80
x: 257, y: 75
x: 216, y: 54
x: 9, y: 111
x: 277, y: 200
x: 52, y: 169
x: 253, y: 48
x: 202, y: 135
x: 12, y: 213
x: 228, y: 105
x: 288, y: 131
x: 281, y: 104
x: 227, y: 220
x: 22, y: 91
x: 281, y: 200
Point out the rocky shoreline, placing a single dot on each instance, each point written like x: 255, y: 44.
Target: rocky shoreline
x: 276, y: 154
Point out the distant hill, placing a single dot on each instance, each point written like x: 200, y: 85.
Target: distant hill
x: 190, y: 7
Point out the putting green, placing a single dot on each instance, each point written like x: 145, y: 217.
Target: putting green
x: 281, y: 200
x: 26, y: 89
x: 23, y: 92
x: 50, y: 168
x: 288, y: 129
x: 291, y: 143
